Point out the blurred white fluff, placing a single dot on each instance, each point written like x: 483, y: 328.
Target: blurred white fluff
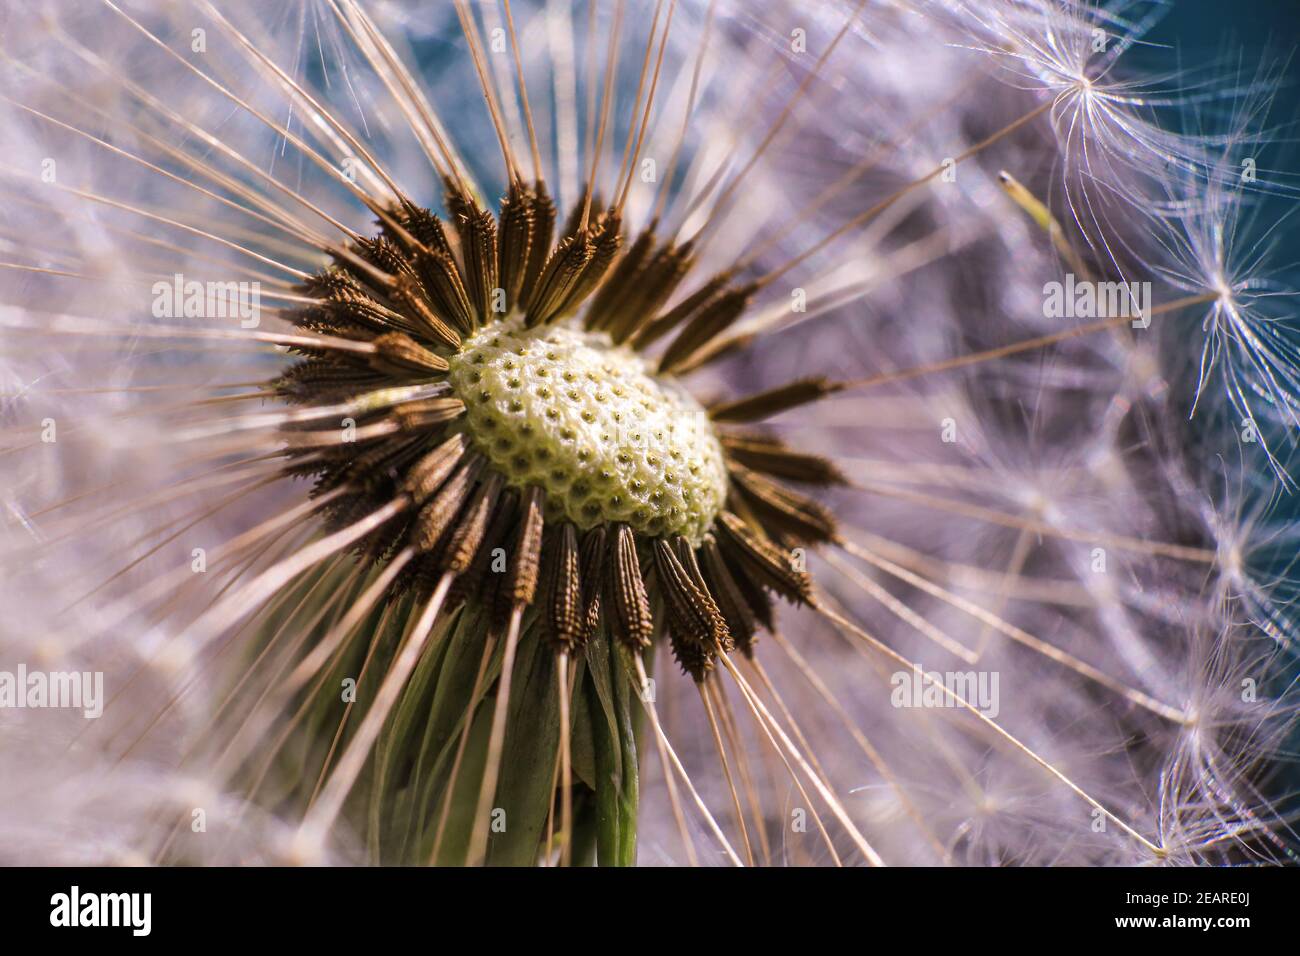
x: 1089, y: 442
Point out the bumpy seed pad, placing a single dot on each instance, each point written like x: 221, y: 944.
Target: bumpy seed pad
x: 584, y: 420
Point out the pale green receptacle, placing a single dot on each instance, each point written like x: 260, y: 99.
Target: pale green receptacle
x: 585, y: 421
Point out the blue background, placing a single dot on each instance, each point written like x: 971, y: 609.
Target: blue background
x: 1248, y: 32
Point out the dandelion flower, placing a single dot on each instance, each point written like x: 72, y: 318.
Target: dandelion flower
x: 660, y: 431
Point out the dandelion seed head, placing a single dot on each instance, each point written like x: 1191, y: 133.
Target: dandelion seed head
x: 282, y: 542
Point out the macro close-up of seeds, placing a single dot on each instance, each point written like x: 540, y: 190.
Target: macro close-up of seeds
x: 646, y: 432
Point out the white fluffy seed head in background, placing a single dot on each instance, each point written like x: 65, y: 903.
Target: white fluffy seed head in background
x: 1102, y: 526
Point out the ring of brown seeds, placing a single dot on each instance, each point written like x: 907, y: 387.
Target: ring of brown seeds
x: 450, y: 309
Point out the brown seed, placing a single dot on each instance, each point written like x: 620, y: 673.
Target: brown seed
x: 768, y: 403
x: 721, y: 633
x: 320, y: 379
x: 771, y: 456
x: 478, y: 243
x: 654, y: 285
x: 381, y: 253
x: 693, y: 618
x: 441, y: 281
x: 788, y: 511
x: 410, y: 294
x: 604, y: 308
x: 629, y: 605
x: 518, y: 221
x: 423, y: 226
x: 540, y: 248
x: 525, y: 561
x: 440, y: 511
x: 607, y: 241
x: 371, y: 469
x: 344, y: 306
x: 426, y: 413
x: 432, y: 470
x: 564, y: 611
x: 558, y: 277
x: 709, y: 322
x: 757, y: 598
x: 480, y: 580
x: 470, y: 531
x: 397, y: 354
x: 593, y: 569
x: 741, y: 619
x: 773, y: 567
x: 684, y: 310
